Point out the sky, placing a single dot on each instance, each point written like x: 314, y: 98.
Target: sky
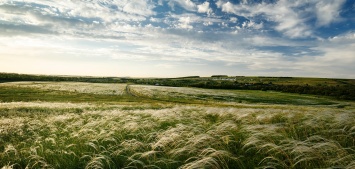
x: 175, y: 38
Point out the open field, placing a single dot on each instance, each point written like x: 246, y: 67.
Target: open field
x: 79, y: 87
x: 93, y: 125
x: 185, y: 94
x: 340, y: 89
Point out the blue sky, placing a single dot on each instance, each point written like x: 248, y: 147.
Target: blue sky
x: 170, y: 38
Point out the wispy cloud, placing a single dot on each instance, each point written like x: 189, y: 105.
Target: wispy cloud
x: 292, y: 18
x: 256, y: 37
x: 186, y: 4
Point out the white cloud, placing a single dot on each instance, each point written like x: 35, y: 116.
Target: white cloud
x: 328, y: 11
x: 251, y: 24
x: 262, y: 40
x: 208, y: 23
x: 344, y: 43
x: 227, y: 7
x: 139, y: 7
x: 108, y: 11
x: 99, y: 19
x: 186, y: 4
x: 233, y: 19
x: 291, y: 17
x: 287, y: 19
x: 186, y: 21
x: 336, y: 60
x: 154, y: 19
x: 204, y: 8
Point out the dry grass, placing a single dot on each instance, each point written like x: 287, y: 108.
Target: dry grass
x: 80, y: 87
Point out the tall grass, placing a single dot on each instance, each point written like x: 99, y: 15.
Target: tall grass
x: 166, y: 134
x: 177, y: 137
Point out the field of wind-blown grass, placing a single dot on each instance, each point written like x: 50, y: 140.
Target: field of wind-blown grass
x: 91, y: 126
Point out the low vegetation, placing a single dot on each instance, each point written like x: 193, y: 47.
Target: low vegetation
x: 340, y: 89
x: 189, y: 95
x: 92, y: 125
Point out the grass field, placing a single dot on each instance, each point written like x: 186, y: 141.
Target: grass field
x: 93, y: 125
x: 184, y: 94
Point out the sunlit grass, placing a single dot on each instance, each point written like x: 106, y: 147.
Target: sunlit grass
x: 29, y: 94
x: 141, y: 133
x: 179, y: 136
x: 79, y: 87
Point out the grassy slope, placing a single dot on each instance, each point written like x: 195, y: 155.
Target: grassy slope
x: 171, y: 129
x: 9, y: 93
x: 227, y: 96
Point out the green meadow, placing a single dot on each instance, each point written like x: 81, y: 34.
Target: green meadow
x: 121, y: 125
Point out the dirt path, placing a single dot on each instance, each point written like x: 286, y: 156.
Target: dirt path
x: 128, y: 91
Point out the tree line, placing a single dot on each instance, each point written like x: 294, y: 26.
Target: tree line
x: 14, y: 77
